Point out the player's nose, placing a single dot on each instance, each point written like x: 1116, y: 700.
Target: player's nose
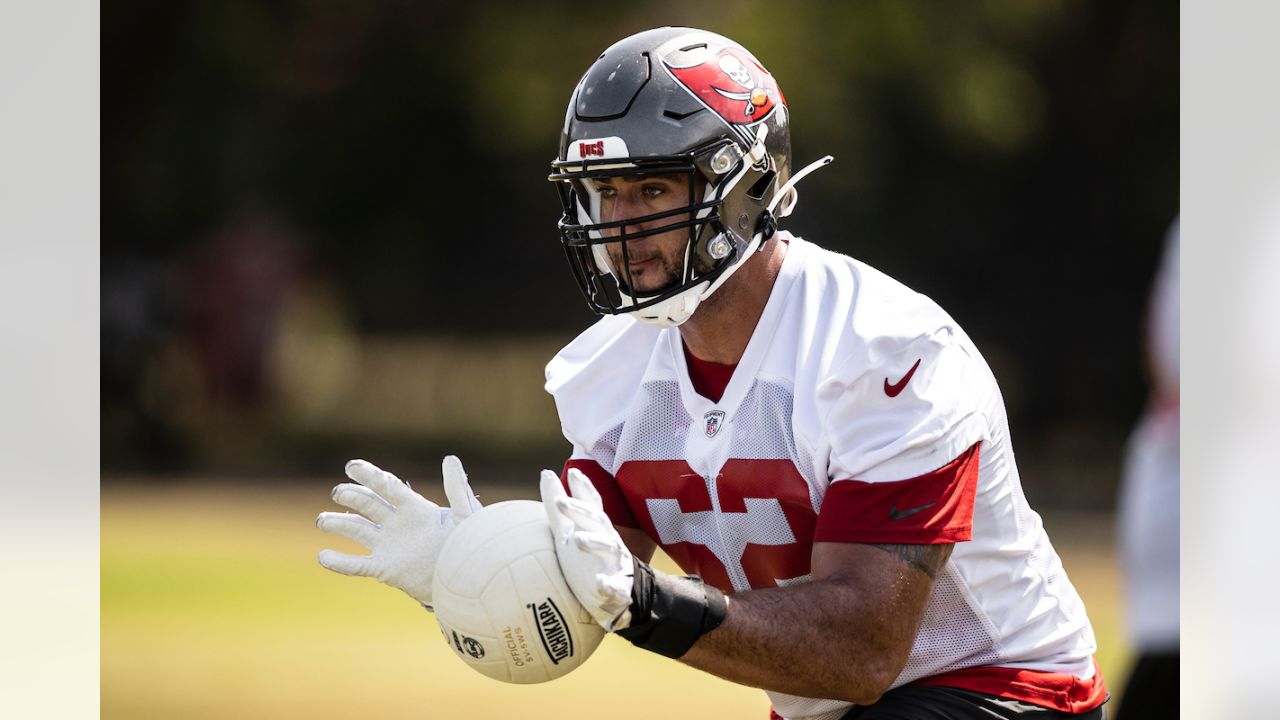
x: 626, y: 205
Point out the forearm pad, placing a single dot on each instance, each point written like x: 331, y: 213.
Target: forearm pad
x: 669, y: 613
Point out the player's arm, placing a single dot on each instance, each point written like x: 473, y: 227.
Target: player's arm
x: 847, y: 634
x: 844, y: 636
x: 853, y: 627
x: 640, y: 544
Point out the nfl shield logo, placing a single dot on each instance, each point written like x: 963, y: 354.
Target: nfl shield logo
x: 713, y: 420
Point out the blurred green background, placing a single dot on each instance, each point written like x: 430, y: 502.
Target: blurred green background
x: 326, y: 233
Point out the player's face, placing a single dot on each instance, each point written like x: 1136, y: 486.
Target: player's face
x: 656, y: 260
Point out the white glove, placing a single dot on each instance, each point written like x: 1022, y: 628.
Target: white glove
x: 594, y: 560
x: 404, y: 530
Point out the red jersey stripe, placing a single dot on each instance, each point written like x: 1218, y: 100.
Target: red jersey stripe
x: 1060, y: 691
x: 936, y: 507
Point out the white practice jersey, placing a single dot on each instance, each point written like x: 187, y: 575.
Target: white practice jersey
x: 859, y: 412
x: 1148, y: 512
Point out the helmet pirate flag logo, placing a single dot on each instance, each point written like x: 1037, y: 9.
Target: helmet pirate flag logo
x: 733, y: 84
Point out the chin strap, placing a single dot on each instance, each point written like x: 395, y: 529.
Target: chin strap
x: 788, y: 189
x: 768, y: 223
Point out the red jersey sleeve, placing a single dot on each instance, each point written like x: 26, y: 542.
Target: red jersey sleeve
x: 615, y: 505
x: 936, y: 507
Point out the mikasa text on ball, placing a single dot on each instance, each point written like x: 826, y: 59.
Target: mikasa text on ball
x: 502, y: 602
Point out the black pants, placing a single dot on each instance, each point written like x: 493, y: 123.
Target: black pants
x: 929, y: 702
x: 1152, y: 688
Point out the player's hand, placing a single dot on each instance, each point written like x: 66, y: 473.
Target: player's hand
x: 594, y: 560
x: 403, y: 530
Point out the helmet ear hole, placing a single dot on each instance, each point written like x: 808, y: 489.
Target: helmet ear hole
x: 760, y: 187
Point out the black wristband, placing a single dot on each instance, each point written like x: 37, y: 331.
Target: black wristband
x: 669, y: 613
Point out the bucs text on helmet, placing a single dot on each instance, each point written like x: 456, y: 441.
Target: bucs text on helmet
x: 683, y: 102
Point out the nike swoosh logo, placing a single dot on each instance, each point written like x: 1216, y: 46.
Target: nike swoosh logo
x: 894, y: 389
x: 896, y: 514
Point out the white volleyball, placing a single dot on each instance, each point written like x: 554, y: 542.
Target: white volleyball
x: 501, y: 601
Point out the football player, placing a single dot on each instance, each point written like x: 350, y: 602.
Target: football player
x: 821, y: 448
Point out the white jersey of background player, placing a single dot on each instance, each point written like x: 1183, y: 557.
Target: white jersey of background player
x: 1147, y: 517
x: 1147, y: 522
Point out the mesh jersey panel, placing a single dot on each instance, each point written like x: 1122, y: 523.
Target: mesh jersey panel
x: 659, y: 428
x: 951, y: 634
x: 655, y: 429
x: 763, y: 431
x: 604, y: 450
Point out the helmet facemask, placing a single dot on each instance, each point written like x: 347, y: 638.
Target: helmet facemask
x: 709, y: 177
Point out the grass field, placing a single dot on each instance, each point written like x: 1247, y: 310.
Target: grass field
x: 213, y: 607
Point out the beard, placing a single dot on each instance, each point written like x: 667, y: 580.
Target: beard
x: 651, y: 274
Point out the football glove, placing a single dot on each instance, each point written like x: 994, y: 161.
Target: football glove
x: 655, y: 611
x: 403, y: 530
x: 596, y: 563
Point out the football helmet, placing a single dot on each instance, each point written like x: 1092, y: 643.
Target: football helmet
x: 676, y: 102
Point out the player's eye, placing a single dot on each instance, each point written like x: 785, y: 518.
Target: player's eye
x: 606, y: 191
x: 653, y: 191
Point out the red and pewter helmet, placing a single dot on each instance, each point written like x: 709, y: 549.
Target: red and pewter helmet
x: 674, y: 101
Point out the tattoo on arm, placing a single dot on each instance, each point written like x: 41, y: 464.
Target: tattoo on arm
x: 929, y: 559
